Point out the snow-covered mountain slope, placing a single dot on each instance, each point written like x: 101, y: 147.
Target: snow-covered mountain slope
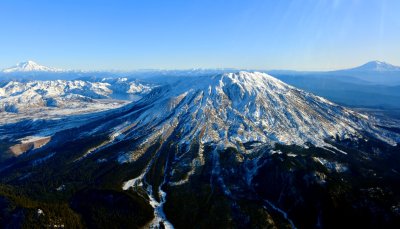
x: 378, y: 66
x: 30, y: 66
x: 242, y: 107
x: 23, y: 99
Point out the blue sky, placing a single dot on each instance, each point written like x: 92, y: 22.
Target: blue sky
x: 127, y: 35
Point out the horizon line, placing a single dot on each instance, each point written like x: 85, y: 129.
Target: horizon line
x: 64, y: 70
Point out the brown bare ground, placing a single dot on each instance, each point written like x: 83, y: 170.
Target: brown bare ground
x: 21, y: 148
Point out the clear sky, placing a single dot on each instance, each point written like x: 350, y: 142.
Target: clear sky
x: 180, y: 34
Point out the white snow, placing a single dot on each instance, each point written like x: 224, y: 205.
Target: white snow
x: 331, y: 165
x: 30, y: 66
x: 132, y: 183
x: 159, y: 215
x: 40, y: 212
x: 283, y: 213
x: 61, y: 188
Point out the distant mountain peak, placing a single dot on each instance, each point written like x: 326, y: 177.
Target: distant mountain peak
x: 30, y: 66
x: 376, y: 66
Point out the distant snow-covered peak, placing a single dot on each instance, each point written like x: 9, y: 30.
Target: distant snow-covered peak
x: 377, y: 66
x: 30, y: 66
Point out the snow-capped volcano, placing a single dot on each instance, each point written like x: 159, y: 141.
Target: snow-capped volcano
x: 237, y: 108
x: 30, y: 66
x: 379, y: 66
